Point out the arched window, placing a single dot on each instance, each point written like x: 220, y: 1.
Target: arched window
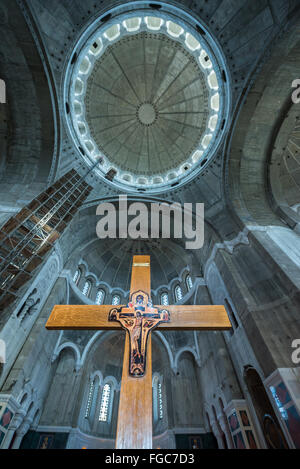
x: 77, y: 276
x: 87, y: 288
x: 189, y: 282
x: 116, y: 300
x: 178, y: 293
x: 164, y: 299
x: 157, y: 400
x: 100, y: 297
x: 231, y: 314
x: 90, y: 399
x: 160, y: 401
x: 105, y: 403
x: 263, y: 407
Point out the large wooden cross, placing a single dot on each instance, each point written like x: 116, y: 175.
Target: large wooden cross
x: 139, y: 317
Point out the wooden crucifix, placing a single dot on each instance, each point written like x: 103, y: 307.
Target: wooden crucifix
x: 139, y: 317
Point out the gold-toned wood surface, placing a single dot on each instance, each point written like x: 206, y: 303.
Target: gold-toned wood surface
x: 196, y: 318
x: 140, y: 275
x: 134, y: 430
x: 95, y: 317
x: 85, y: 317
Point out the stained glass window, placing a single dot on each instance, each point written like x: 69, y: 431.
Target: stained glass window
x: 76, y: 277
x: 278, y: 403
x: 189, y: 282
x: 104, y: 406
x: 100, y: 297
x: 178, y: 293
x: 90, y: 399
x: 157, y: 400
x: 160, y: 401
x: 164, y: 299
x: 86, y: 288
x: 116, y: 300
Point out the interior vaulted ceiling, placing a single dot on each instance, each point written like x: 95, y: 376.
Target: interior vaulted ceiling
x: 147, y: 104
x: 111, y: 260
x: 242, y: 33
x: 146, y: 100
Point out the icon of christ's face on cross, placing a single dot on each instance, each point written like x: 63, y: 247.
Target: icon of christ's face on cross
x: 138, y: 318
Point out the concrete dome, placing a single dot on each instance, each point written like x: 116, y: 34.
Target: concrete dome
x: 111, y: 260
x: 147, y: 104
x: 147, y: 101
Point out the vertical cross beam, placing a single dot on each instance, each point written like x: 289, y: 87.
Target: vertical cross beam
x: 135, y: 408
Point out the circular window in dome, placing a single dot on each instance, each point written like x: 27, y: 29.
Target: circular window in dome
x: 147, y: 97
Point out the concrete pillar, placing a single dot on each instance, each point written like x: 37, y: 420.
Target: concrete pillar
x: 14, y: 425
x: 224, y: 426
x: 217, y: 433
x: 21, y: 432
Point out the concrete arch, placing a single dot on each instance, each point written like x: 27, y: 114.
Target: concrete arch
x: 189, y: 350
x: 157, y: 377
x: 30, y: 409
x: 73, y: 347
x: 27, y: 395
x: 91, y: 277
x: 116, y: 386
x: 167, y: 347
x: 89, y: 345
x: 97, y: 374
x: 23, y: 397
x: 39, y: 124
x: 207, y: 414
x: 250, y: 146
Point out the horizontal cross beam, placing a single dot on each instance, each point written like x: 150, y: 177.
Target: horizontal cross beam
x: 95, y: 317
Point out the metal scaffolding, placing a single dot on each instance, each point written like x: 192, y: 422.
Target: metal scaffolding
x: 27, y: 237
